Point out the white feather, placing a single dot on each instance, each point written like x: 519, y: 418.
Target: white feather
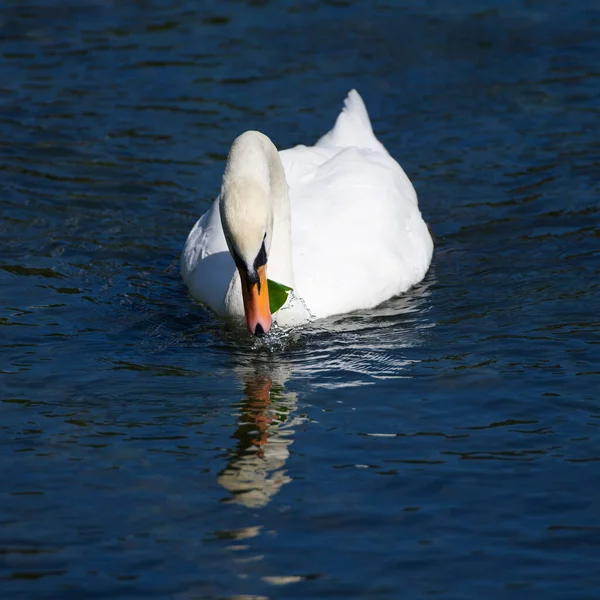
x: 357, y: 235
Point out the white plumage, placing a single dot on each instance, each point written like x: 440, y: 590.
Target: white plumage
x: 357, y: 235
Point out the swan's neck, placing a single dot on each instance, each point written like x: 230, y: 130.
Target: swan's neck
x: 254, y: 164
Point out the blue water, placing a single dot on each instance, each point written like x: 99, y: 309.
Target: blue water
x: 445, y: 444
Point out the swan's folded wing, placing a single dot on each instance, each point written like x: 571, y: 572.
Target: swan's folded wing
x: 352, y: 127
x: 358, y: 235
x: 206, y: 265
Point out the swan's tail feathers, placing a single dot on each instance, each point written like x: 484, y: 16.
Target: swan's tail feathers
x: 352, y: 127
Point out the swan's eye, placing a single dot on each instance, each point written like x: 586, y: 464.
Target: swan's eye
x: 249, y: 274
x: 261, y: 257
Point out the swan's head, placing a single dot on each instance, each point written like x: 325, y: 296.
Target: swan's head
x: 247, y: 219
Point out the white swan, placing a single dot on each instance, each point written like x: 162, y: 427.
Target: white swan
x: 337, y: 222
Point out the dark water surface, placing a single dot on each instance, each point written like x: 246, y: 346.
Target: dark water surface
x: 446, y: 444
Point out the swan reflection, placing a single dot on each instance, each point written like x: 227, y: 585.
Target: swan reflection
x: 354, y: 350
x: 255, y: 471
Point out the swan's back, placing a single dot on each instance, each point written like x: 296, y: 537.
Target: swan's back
x: 357, y: 234
x: 352, y: 127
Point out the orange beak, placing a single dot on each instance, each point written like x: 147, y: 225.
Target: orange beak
x: 256, y: 302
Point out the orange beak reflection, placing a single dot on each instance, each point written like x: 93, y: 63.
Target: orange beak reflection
x: 256, y: 302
